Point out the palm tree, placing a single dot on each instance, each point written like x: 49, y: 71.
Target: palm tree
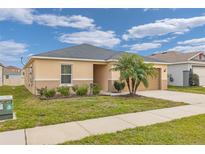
x: 134, y: 71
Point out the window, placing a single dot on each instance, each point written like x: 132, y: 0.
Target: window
x: 7, y: 76
x: 66, y: 74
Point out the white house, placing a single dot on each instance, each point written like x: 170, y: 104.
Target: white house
x: 1, y: 74
x: 180, y: 64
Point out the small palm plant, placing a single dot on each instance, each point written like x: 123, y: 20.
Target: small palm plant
x: 134, y: 71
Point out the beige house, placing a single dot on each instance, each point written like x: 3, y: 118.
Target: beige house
x: 82, y: 64
x: 13, y: 76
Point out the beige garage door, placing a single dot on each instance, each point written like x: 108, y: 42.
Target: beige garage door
x: 200, y: 71
x: 154, y: 82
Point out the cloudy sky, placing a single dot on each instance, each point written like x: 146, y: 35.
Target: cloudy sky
x: 25, y: 32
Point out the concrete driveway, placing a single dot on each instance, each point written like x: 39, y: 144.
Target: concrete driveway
x: 190, y: 98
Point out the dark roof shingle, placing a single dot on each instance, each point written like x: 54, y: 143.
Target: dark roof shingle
x: 86, y: 51
x: 173, y: 56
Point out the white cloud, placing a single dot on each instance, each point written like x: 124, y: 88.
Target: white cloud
x: 144, y: 46
x: 75, y: 21
x: 164, y: 40
x: 30, y: 54
x: 22, y: 15
x: 150, y: 9
x: 188, y: 48
x: 29, y: 16
x: 149, y: 45
x: 193, y: 42
x: 96, y: 37
x: 165, y: 26
x: 190, y: 45
x: 157, y: 9
x: 11, y: 51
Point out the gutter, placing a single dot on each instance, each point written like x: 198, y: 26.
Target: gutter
x: 163, y: 63
x: 187, y: 62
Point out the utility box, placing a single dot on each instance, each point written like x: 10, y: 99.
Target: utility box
x: 6, y: 107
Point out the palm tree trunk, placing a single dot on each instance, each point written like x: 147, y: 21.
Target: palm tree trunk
x: 136, y: 86
x: 133, y: 85
x: 128, y: 84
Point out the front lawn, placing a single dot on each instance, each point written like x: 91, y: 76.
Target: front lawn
x: 33, y: 112
x: 198, y: 90
x: 184, y: 131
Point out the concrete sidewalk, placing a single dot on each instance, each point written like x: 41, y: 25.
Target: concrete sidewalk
x: 54, y: 134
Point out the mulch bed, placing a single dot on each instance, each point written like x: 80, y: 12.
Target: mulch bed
x: 129, y: 96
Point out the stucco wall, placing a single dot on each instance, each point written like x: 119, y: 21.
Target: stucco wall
x: 163, y: 75
x: 1, y: 75
x: 101, y: 76
x: 40, y: 73
x: 17, y: 81
x: 29, y: 77
x: 176, y: 71
x: 51, y: 69
x: 48, y: 72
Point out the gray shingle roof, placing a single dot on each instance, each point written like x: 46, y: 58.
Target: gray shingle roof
x: 86, y: 51
x: 148, y: 59
x: 173, y: 56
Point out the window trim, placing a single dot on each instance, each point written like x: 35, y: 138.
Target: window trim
x: 71, y: 74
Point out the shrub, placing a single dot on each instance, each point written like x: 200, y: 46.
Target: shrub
x: 82, y: 90
x: 170, y: 77
x: 41, y: 91
x: 119, y: 85
x: 65, y: 91
x: 193, y: 79
x: 48, y: 93
x: 74, y: 88
x: 96, y: 89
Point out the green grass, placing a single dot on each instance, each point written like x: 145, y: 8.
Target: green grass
x: 32, y: 112
x: 198, y: 90
x: 189, y: 130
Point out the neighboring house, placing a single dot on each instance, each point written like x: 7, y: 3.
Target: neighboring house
x: 13, y: 76
x: 82, y: 64
x: 180, y: 65
x: 1, y: 74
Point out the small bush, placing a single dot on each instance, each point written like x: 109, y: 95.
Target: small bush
x: 96, y: 89
x: 49, y: 93
x: 65, y: 91
x: 119, y: 85
x: 74, y: 88
x: 82, y: 90
x: 193, y: 79
x: 41, y: 91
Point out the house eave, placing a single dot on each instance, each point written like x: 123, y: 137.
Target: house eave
x: 187, y: 62
x: 74, y: 59
x: 81, y: 59
x: 194, y: 56
x: 162, y: 63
